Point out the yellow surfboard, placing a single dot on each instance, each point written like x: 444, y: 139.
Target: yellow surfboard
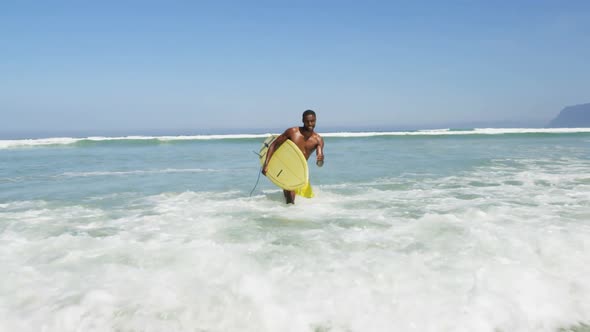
x: 287, y: 168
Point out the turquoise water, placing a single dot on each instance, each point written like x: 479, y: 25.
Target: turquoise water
x: 482, y: 230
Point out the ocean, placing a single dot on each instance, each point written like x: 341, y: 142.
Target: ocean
x: 434, y: 230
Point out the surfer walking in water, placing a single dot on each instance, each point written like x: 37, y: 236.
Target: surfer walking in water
x: 306, y: 139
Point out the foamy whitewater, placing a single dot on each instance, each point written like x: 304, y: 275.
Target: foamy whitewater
x: 444, y: 230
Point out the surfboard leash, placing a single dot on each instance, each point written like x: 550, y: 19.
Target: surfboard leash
x: 255, y: 185
x: 258, y: 179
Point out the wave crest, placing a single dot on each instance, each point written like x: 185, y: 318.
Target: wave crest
x: 60, y: 141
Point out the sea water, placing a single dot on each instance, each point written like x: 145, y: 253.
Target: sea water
x: 476, y: 230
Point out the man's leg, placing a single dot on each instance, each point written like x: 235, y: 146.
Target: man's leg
x: 289, y: 196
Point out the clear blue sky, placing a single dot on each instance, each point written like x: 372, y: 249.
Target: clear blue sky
x: 133, y: 65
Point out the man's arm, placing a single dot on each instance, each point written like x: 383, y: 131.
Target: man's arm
x: 273, y: 147
x: 320, y: 152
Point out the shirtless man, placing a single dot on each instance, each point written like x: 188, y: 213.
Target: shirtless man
x: 306, y: 139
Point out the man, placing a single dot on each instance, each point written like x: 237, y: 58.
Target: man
x: 306, y: 139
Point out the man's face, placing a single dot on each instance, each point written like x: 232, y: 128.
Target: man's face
x: 309, y: 122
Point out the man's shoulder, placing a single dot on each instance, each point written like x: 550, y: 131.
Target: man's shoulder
x: 291, y: 131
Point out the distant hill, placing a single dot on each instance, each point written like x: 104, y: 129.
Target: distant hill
x: 577, y: 116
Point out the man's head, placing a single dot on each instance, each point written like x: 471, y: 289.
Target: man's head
x: 309, y: 120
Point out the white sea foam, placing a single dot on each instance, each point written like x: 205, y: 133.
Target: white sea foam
x: 5, y: 144
x: 477, y: 131
x: 139, y: 172
x: 180, y: 138
x: 460, y: 253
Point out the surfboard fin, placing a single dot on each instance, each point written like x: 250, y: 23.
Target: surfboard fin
x: 305, y: 191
